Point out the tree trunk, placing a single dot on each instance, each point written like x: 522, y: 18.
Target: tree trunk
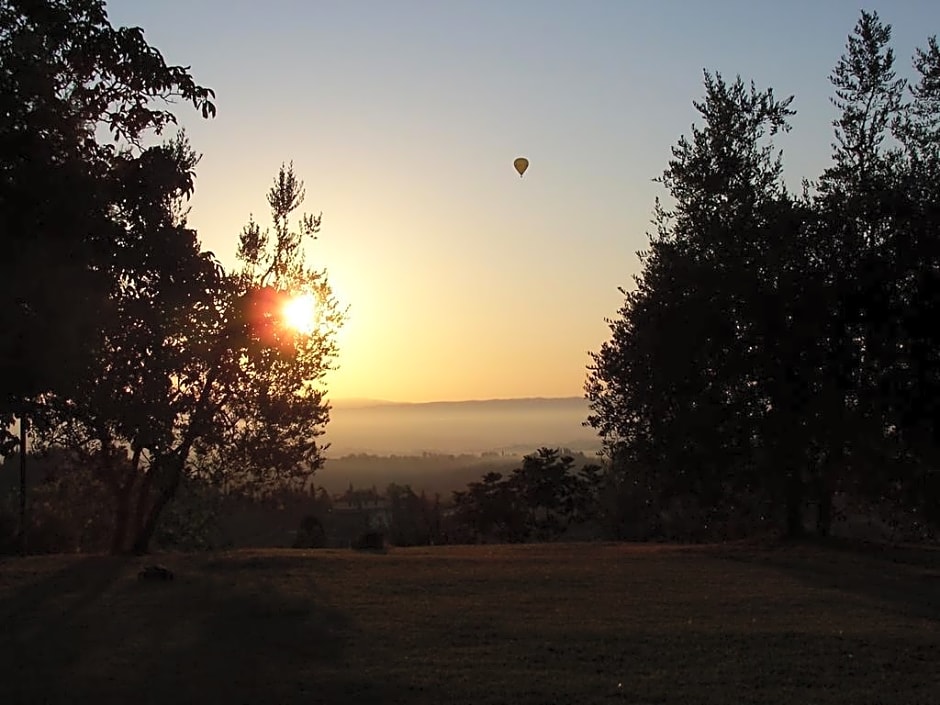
x: 24, y: 530
x: 827, y: 483
x: 122, y: 515
x: 144, y: 533
x: 172, y: 464
x: 824, y: 515
x: 795, y: 503
x: 143, y: 496
x: 122, y: 482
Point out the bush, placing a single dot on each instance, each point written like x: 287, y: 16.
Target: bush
x: 370, y: 541
x: 311, y: 533
x: 70, y: 511
x: 190, y: 521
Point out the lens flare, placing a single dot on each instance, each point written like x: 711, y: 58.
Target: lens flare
x: 300, y: 313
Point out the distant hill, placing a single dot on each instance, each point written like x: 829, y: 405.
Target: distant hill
x: 476, y: 426
x: 359, y: 403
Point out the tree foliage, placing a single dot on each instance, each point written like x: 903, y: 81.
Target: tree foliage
x: 776, y: 346
x: 68, y: 199
x: 538, y: 501
x: 200, y: 377
x: 129, y: 344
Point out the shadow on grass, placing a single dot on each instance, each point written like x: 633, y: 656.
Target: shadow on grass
x: 72, y: 590
x: 40, y: 620
x: 905, y: 577
x: 717, y: 667
x: 282, y: 561
x: 92, y: 632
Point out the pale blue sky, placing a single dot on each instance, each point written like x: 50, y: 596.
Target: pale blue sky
x: 404, y: 118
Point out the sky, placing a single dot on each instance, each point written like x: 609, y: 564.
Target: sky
x: 403, y: 118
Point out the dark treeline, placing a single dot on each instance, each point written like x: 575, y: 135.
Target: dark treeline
x: 547, y: 496
x: 537, y: 497
x: 781, y: 351
x: 434, y: 473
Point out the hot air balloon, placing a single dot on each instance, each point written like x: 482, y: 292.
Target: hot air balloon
x: 521, y: 164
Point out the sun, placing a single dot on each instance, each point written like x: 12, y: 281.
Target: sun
x: 300, y: 313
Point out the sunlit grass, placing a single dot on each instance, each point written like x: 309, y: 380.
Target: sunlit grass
x: 513, y: 624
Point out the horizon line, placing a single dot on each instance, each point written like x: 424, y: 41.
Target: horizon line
x: 390, y: 402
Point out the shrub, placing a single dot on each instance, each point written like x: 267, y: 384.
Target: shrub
x: 370, y: 541
x: 311, y: 533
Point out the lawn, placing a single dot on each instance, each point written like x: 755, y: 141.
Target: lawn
x: 591, y: 623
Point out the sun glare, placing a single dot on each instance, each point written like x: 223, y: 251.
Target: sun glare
x: 300, y: 313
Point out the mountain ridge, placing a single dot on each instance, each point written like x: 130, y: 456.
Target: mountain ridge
x: 368, y: 403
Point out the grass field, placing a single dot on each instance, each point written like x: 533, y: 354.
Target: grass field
x: 485, y: 624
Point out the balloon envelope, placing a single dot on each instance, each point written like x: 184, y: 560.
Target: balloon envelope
x: 521, y: 164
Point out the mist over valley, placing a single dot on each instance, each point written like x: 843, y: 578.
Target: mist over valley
x: 507, y: 425
x: 441, y: 446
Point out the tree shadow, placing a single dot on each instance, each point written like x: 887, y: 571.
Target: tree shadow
x: 92, y: 632
x: 289, y: 559
x: 73, y: 589
x: 41, y: 620
x: 907, y: 578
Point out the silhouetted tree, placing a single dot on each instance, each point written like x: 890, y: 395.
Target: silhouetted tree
x: 78, y: 213
x: 538, y: 501
x: 491, y: 509
x: 777, y: 348
x: 415, y: 519
x: 701, y: 360
x: 66, y: 75
x: 201, y: 377
x: 548, y: 492
x: 879, y: 204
